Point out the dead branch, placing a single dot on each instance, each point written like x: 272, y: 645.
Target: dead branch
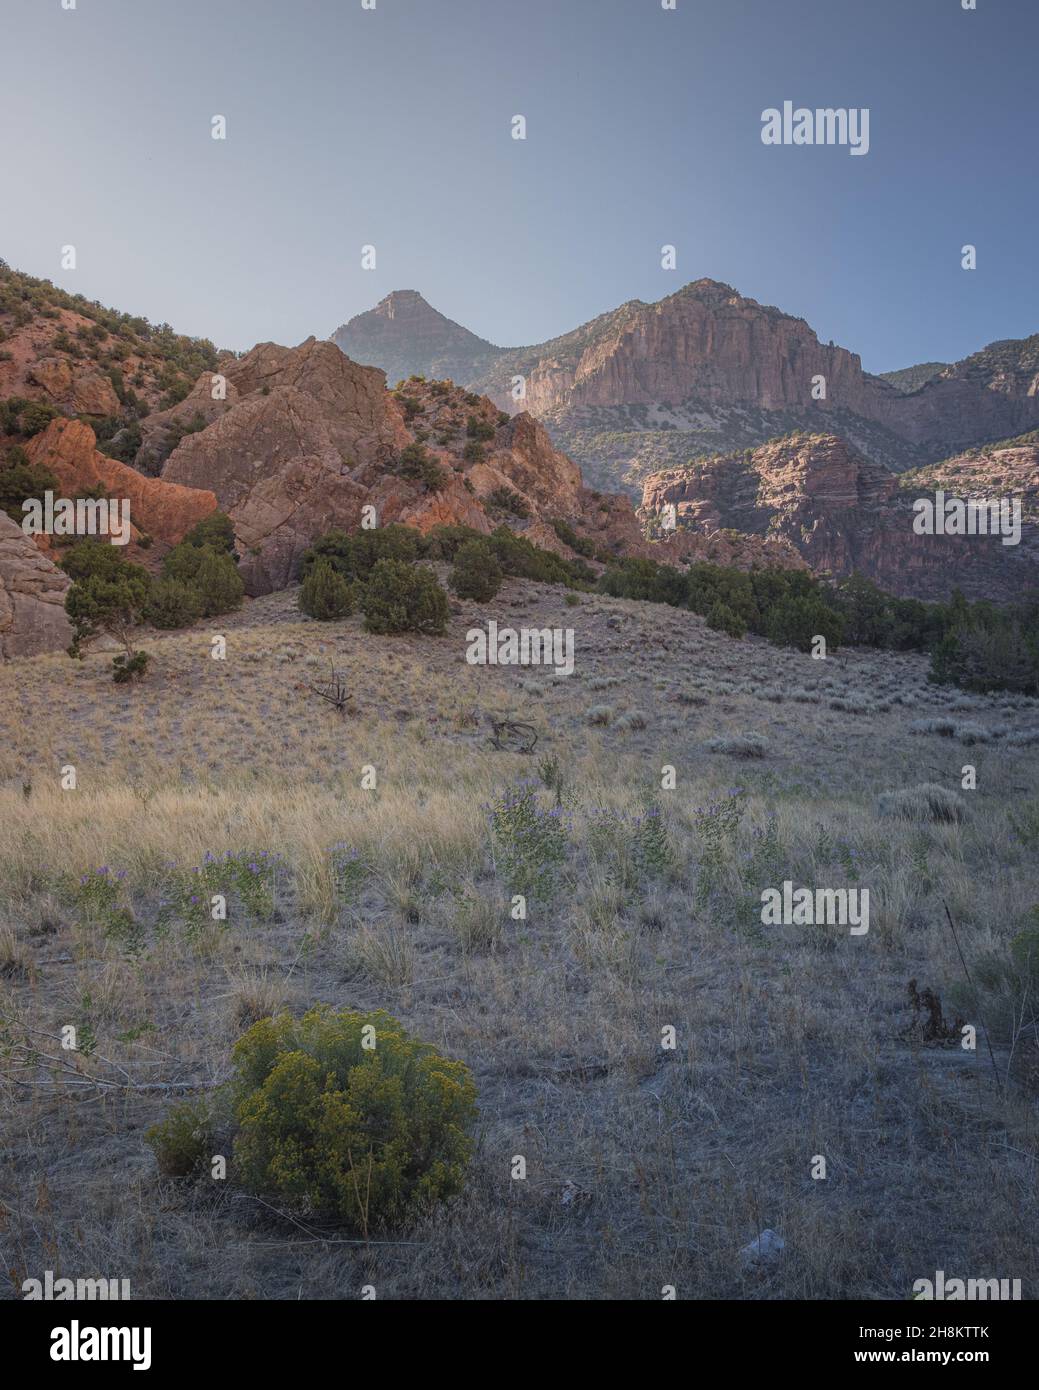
x: 511, y: 736
x: 334, y: 691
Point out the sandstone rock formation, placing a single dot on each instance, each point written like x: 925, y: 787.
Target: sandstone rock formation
x: 307, y: 438
x: 843, y: 513
x: 32, y: 597
x: 162, y: 510
x: 286, y: 459
x: 82, y: 392
x: 706, y: 341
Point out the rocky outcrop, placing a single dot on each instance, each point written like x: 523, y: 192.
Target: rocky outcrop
x: 79, y: 392
x: 713, y: 348
x: 307, y: 438
x: 404, y: 335
x: 1000, y: 470
x: 843, y: 514
x: 162, y: 510
x: 994, y: 394
x: 32, y: 597
x: 85, y: 359
x: 289, y: 456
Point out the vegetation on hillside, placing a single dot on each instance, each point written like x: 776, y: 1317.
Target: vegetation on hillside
x: 111, y: 596
x: 980, y: 646
x: 169, y: 362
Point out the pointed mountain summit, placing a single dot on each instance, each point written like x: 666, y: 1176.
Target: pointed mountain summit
x: 405, y: 335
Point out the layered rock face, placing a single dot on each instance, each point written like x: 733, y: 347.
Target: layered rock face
x: 843, y: 513
x: 992, y: 395
x: 32, y: 597
x: 706, y: 342
x: 985, y: 474
x: 404, y: 335
x: 162, y: 510
x: 712, y: 347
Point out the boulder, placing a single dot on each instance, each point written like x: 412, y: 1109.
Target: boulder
x: 32, y: 597
x: 80, y: 392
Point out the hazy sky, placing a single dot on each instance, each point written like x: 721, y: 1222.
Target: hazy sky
x: 392, y: 127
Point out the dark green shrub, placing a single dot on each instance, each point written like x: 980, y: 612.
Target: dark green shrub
x: 91, y: 558
x: 36, y: 416
x: 478, y: 429
x: 211, y: 574
x: 355, y: 555
x: 796, y: 622
x: 326, y: 594
x: 416, y: 465
x: 110, y: 599
x: 21, y: 481
x: 643, y: 579
x: 444, y: 542
x: 989, y: 651
x: 583, y: 545
x: 10, y: 413
x: 404, y: 598
x: 129, y: 670
x: 521, y: 558
x: 215, y: 530
x: 708, y: 585
x: 218, y: 583
x: 476, y: 573
x: 172, y: 604
x: 343, y: 1115
x: 506, y: 500
x: 183, y: 1142
x: 722, y: 619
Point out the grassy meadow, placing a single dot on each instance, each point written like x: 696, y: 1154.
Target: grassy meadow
x: 372, y: 859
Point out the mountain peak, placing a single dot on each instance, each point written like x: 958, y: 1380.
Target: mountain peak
x: 406, y: 336
x: 404, y: 300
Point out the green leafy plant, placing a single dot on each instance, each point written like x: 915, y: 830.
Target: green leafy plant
x: 530, y: 842
x: 325, y: 594
x: 109, y: 596
x: 404, y: 598
x: 184, y: 1141
x: 476, y: 573
x: 344, y: 1116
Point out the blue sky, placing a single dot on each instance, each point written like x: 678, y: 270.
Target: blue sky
x: 392, y: 127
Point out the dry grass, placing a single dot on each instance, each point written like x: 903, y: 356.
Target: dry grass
x: 646, y: 1166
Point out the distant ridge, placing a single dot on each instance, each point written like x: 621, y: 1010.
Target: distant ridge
x: 648, y: 386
